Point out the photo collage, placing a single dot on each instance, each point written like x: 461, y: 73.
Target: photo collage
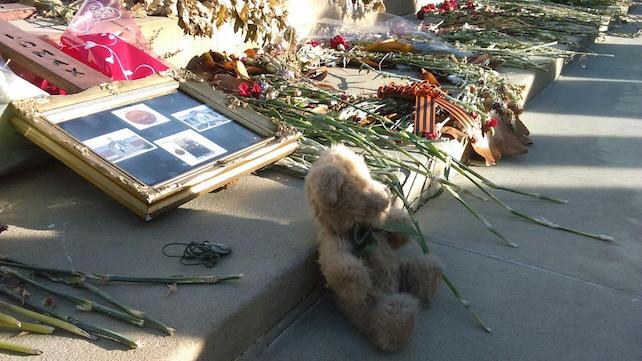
x: 188, y: 146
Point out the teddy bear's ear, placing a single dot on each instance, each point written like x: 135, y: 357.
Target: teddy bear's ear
x: 327, y: 182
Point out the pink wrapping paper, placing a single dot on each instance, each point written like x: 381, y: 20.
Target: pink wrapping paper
x: 104, y: 36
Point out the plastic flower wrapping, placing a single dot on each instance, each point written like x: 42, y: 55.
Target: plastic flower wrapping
x: 104, y: 36
x: 377, y: 28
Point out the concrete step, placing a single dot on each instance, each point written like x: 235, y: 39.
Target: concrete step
x: 57, y: 219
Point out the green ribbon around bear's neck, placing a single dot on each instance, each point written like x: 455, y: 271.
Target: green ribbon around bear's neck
x: 364, y: 238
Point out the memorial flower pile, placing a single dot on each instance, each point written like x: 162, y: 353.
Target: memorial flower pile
x: 380, y: 125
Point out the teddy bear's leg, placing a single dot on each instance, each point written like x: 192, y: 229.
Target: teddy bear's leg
x: 391, y: 321
x: 344, y: 273
x: 421, y: 277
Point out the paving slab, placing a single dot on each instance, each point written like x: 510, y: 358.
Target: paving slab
x: 58, y: 219
x: 534, y: 315
x: 587, y: 140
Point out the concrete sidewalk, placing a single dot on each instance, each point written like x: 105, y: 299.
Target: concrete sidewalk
x: 559, y: 296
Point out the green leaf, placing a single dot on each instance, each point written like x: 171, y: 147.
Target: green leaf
x: 400, y: 228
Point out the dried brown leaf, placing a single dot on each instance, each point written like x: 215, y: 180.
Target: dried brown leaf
x: 505, y: 141
x: 427, y: 75
x: 226, y: 82
x: 241, y: 70
x: 453, y: 132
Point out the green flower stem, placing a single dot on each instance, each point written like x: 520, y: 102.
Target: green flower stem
x: 45, y: 319
x: 424, y: 247
x: 465, y: 169
x: 86, y: 326
x: 540, y: 221
x: 81, y: 303
x: 31, y: 327
x: 481, y: 218
x: 465, y: 303
x: 130, y: 310
x: 8, y: 320
x: 208, y: 280
x: 107, y: 297
x: 19, y: 348
x: 5, y: 261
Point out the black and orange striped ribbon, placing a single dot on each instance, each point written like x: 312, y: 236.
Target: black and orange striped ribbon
x: 425, y: 114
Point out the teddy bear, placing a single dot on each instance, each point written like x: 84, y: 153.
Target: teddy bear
x: 379, y: 292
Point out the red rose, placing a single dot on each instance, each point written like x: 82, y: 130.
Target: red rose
x: 314, y: 43
x: 244, y: 90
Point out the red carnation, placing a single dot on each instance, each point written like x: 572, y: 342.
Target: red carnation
x: 339, y: 42
x: 425, y: 10
x: 244, y: 90
x: 492, y: 123
x: 448, y: 5
x: 430, y: 135
x: 256, y: 89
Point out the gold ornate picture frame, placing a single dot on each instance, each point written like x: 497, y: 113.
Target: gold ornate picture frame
x: 155, y: 143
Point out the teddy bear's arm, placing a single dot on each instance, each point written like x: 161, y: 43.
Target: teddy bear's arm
x: 396, y: 215
x: 344, y: 273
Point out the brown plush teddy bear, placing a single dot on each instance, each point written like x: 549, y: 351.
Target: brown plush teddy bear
x: 378, y: 292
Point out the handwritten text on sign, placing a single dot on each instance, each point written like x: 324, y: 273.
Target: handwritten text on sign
x: 46, y: 61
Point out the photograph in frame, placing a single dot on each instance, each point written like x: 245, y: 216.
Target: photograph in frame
x: 201, y: 118
x: 119, y: 145
x: 190, y: 147
x: 140, y: 116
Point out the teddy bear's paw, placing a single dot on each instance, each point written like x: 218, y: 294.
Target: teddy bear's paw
x: 400, y: 216
x: 392, y: 321
x: 422, y: 277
